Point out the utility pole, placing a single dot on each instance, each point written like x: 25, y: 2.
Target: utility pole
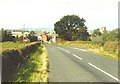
x: 23, y: 28
x: 23, y: 31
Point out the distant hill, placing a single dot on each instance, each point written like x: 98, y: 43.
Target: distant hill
x: 35, y: 29
x: 40, y: 29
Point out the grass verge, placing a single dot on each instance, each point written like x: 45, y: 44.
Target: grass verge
x: 101, y: 52
x: 97, y: 48
x: 35, y: 69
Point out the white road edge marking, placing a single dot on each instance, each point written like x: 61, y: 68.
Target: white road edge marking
x: 63, y: 49
x: 77, y: 56
x: 104, y: 72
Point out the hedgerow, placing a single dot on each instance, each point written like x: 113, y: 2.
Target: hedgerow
x: 12, y: 59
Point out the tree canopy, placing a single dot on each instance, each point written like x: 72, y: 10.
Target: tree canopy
x: 7, y: 36
x: 111, y: 35
x: 71, y: 27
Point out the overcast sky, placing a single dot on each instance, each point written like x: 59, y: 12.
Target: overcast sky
x: 44, y: 13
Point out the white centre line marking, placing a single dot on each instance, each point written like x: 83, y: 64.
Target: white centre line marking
x: 66, y: 51
x: 58, y: 47
x: 77, y: 56
x: 75, y: 48
x: 104, y: 72
x: 80, y: 49
x: 63, y: 49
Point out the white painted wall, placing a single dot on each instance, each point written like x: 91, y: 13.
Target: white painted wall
x: 54, y: 39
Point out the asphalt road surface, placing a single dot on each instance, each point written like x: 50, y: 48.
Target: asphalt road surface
x: 68, y: 64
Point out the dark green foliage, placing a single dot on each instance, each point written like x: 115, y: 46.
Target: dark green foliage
x: 32, y: 33
x: 71, y: 27
x: 33, y: 38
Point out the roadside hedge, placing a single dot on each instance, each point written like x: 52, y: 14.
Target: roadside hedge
x: 12, y: 59
x: 111, y: 47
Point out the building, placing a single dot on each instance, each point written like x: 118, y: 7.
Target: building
x: 44, y: 37
x: 39, y: 37
x: 26, y: 33
x: 53, y: 36
x: 19, y: 34
x: 54, y: 39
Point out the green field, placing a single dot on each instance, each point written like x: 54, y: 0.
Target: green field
x: 12, y: 45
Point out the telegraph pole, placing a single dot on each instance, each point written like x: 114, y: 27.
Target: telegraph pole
x: 23, y: 28
x: 23, y: 31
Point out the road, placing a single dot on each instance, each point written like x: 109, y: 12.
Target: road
x: 68, y: 64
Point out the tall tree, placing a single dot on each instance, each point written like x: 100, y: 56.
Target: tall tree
x: 96, y: 32
x: 71, y: 27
